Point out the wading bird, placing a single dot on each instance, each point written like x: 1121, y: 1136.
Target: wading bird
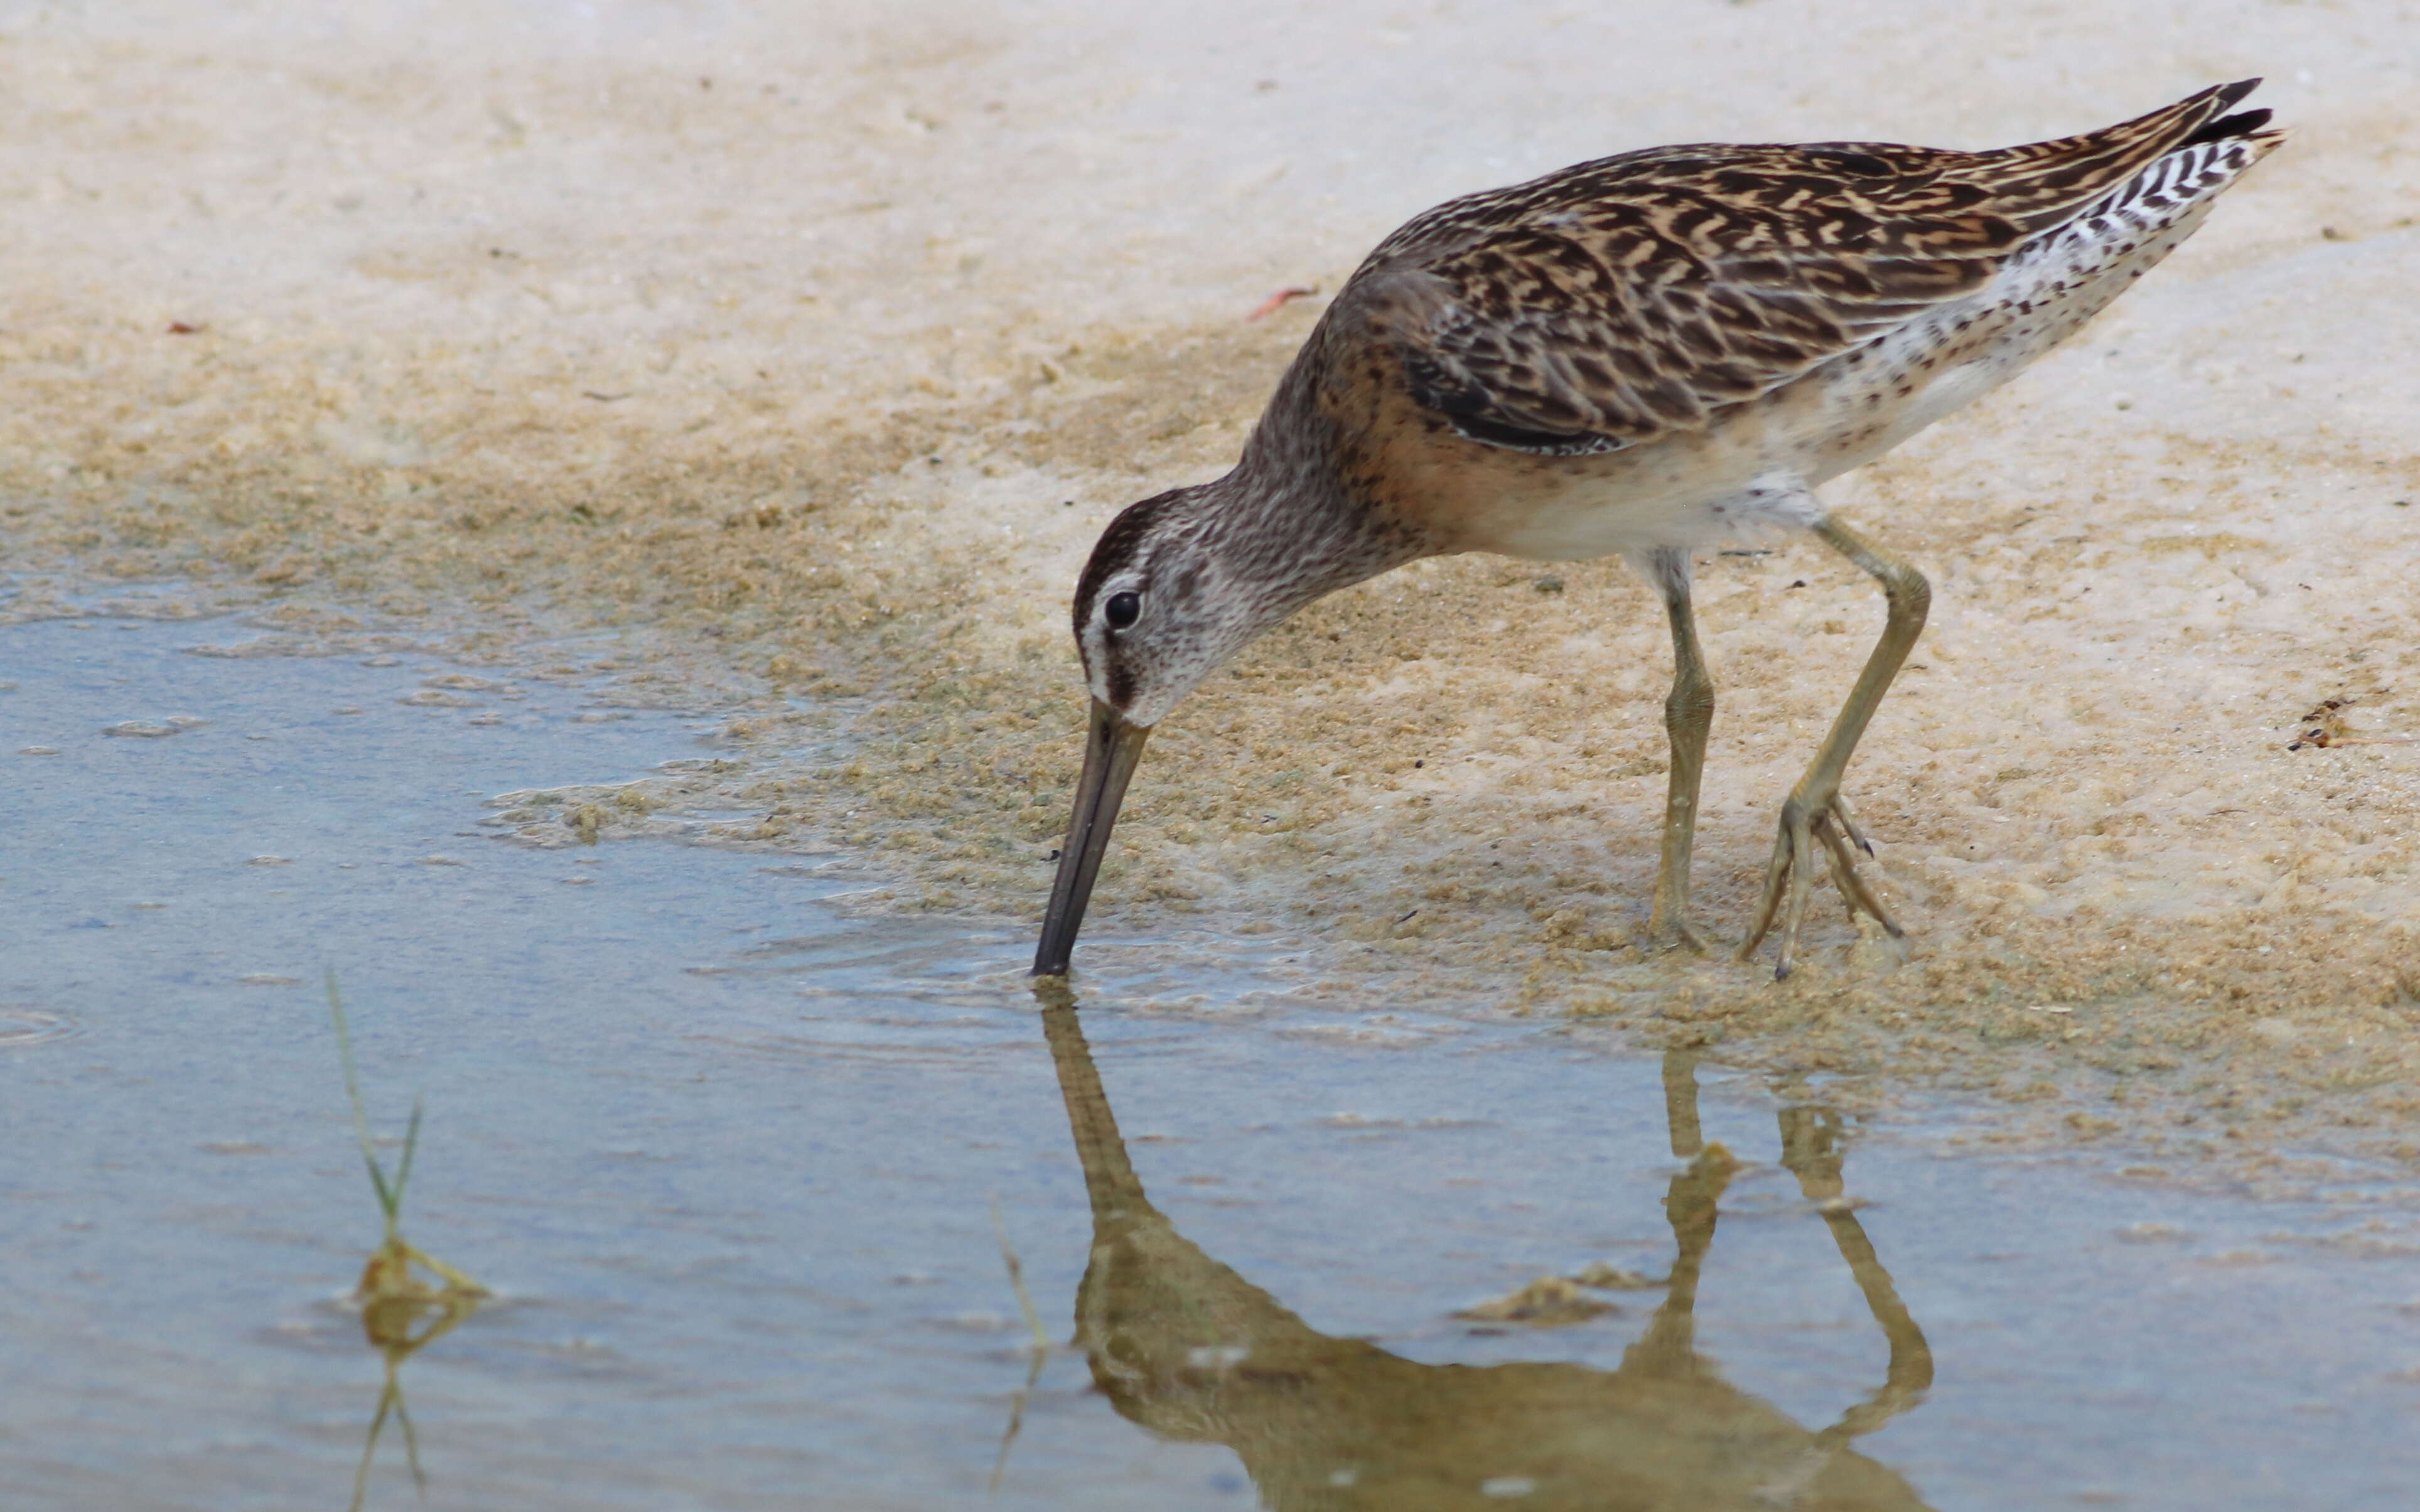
x: 1643, y: 356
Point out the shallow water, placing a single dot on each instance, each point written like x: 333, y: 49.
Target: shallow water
x: 728, y: 1153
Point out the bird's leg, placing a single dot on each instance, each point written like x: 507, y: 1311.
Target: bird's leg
x: 1687, y: 712
x: 1813, y: 812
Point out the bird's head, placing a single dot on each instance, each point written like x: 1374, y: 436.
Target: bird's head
x: 1160, y: 605
x: 1177, y: 584
x: 1167, y: 596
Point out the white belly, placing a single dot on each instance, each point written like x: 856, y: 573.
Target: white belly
x: 1751, y: 468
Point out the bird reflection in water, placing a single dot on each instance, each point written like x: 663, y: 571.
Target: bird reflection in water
x: 1189, y: 1349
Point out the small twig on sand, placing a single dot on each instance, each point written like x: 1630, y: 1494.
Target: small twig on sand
x: 1280, y: 300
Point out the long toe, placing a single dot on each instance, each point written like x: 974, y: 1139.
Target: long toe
x: 1681, y: 934
x: 1673, y: 928
x: 1854, y: 891
x: 1790, y: 876
x: 1786, y: 879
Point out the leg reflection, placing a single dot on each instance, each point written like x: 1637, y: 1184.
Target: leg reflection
x: 1811, y: 1148
x: 1188, y: 1348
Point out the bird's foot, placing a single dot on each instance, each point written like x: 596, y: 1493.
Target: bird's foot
x: 1790, y: 874
x: 1673, y: 928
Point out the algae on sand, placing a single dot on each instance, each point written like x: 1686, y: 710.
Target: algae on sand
x: 565, y: 326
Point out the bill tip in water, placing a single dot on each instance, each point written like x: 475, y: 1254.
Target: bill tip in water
x: 1111, y: 750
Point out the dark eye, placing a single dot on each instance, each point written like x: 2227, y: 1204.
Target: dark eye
x: 1122, y: 610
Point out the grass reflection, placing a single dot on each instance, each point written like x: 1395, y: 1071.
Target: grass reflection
x: 1040, y: 1348
x: 408, y: 1299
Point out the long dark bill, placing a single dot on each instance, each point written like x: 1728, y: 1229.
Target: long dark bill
x: 1110, y: 757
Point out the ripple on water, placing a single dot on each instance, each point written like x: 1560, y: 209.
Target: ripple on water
x: 21, y: 1028
x: 842, y: 1047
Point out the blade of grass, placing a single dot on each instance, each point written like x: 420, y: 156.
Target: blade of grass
x: 1016, y: 1420
x: 410, y: 1145
x: 1016, y: 1277
x: 447, y: 1273
x: 390, y: 1199
x: 1041, y: 1344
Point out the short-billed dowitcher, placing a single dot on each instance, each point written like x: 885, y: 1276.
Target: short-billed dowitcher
x: 1640, y: 356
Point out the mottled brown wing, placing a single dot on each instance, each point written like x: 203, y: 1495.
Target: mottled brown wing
x: 1633, y: 296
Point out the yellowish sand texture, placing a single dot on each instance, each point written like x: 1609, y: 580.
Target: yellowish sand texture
x: 823, y: 350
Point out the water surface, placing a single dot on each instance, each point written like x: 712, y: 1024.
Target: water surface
x: 727, y: 1148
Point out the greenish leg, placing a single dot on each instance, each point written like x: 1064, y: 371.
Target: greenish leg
x: 1814, y: 811
x: 1688, y: 711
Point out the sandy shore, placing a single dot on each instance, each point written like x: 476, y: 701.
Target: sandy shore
x: 825, y: 345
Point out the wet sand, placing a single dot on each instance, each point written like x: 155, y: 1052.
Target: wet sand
x: 820, y: 350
